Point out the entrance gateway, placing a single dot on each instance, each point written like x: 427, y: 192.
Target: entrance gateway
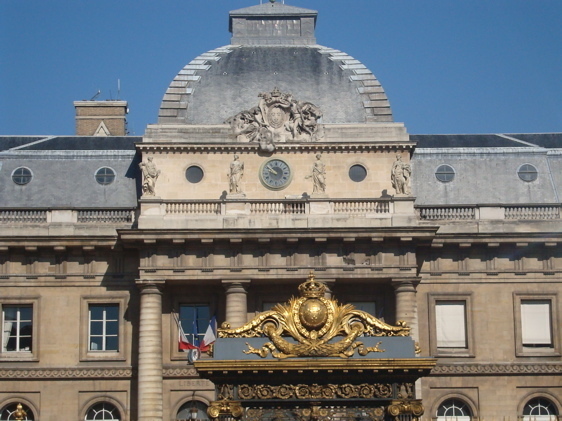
x: 315, y: 359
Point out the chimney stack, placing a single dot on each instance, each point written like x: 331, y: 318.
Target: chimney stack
x: 101, y: 118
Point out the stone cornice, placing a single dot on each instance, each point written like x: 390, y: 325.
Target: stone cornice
x: 279, y: 147
x: 65, y: 373
x: 495, y: 369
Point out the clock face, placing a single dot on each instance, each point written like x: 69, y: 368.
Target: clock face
x: 275, y: 174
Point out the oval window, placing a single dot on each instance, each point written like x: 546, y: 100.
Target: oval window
x: 445, y: 173
x: 105, y: 176
x: 194, y: 174
x: 22, y: 176
x: 357, y: 173
x: 527, y: 172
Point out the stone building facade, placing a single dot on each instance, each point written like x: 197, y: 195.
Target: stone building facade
x: 274, y: 156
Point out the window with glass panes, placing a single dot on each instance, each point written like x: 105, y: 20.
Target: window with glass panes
x: 104, y: 327
x: 17, y: 331
x: 194, y: 320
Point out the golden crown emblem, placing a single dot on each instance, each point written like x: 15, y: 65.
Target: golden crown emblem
x: 312, y: 288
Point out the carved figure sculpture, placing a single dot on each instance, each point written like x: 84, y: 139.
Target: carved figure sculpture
x: 277, y: 118
x: 150, y: 175
x: 235, y: 175
x: 318, y: 176
x: 400, y: 176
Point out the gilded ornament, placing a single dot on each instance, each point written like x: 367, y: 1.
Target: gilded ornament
x: 314, y: 322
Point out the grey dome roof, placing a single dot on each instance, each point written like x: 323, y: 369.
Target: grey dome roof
x: 273, y: 46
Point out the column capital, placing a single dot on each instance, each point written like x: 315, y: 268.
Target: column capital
x: 244, y: 283
x: 150, y: 286
x: 405, y: 283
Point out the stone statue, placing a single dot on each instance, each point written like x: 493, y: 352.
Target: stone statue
x: 235, y: 175
x: 150, y: 175
x: 400, y: 176
x: 277, y: 118
x: 318, y: 176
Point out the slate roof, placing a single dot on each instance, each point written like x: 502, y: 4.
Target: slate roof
x: 464, y: 141
x: 63, y: 172
x: 276, y: 9
x: 541, y: 140
x: 223, y: 82
x: 74, y: 143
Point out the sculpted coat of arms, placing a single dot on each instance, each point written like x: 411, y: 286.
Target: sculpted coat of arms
x: 278, y: 117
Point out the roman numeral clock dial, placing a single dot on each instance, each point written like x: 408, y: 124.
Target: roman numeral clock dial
x: 275, y: 174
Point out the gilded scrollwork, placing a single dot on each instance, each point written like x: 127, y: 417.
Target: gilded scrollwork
x: 413, y: 408
x: 315, y: 391
x: 321, y: 327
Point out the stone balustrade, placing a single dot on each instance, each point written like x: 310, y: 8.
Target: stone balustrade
x: 485, y: 212
x: 279, y: 207
x: 70, y: 216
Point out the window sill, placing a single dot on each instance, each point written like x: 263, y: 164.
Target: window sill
x: 538, y: 352
x: 103, y: 356
x: 18, y: 356
x: 453, y: 353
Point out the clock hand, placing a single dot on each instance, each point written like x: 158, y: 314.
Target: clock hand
x: 271, y: 170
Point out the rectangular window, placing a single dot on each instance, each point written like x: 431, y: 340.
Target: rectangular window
x: 450, y: 324
x: 17, y: 332
x: 536, y: 332
x: 536, y: 324
x: 194, y: 320
x: 104, y: 327
x: 450, y: 321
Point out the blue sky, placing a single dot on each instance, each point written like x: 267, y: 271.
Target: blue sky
x: 448, y: 66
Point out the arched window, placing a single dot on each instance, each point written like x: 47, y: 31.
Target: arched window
x: 540, y: 409
x: 102, y: 411
x: 192, y: 410
x: 454, y: 410
x: 10, y: 412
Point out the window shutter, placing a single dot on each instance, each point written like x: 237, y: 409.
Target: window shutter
x: 451, y: 324
x: 535, y: 322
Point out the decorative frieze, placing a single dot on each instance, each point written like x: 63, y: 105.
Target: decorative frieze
x: 66, y: 373
x: 494, y: 369
x: 316, y: 391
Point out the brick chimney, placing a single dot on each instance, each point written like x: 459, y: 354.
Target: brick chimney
x: 101, y: 118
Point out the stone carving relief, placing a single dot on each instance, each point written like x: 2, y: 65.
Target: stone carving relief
x: 400, y: 176
x: 150, y: 174
x: 278, y: 117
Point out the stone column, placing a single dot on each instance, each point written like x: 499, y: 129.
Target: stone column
x: 406, y: 304
x: 150, y: 353
x: 236, y: 302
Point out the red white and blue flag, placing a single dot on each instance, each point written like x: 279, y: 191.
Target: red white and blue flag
x: 210, y: 335
x: 209, y: 338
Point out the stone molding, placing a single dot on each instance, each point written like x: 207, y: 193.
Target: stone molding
x: 66, y: 373
x: 179, y: 372
x: 164, y: 148
x: 89, y: 373
x: 495, y: 369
